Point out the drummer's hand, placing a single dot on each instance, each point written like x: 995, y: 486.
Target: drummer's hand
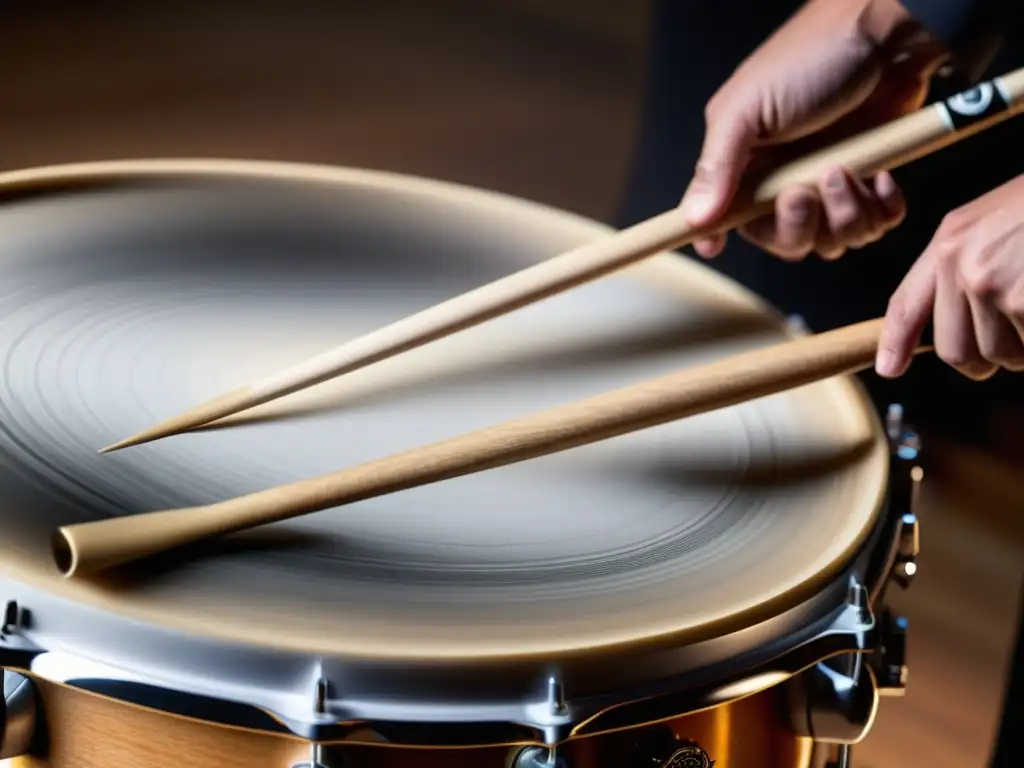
x: 833, y: 59
x: 970, y: 280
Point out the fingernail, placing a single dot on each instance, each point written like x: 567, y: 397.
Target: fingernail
x: 885, y: 363
x: 885, y: 185
x: 698, y: 204
x: 836, y: 179
x: 707, y: 248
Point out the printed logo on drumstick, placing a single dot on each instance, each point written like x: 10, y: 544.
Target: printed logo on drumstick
x: 975, y: 105
x: 690, y: 756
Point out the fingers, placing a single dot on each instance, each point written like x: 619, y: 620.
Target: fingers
x: 909, y: 310
x: 973, y: 333
x: 847, y: 216
x: 998, y: 337
x: 970, y: 279
x: 855, y: 213
x: 841, y: 212
x: 1011, y: 306
x: 790, y: 232
x: 956, y: 339
x: 709, y: 247
x: 890, y: 197
x: 728, y: 144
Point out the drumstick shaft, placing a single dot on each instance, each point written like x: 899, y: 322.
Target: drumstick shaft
x: 882, y: 148
x: 99, y: 545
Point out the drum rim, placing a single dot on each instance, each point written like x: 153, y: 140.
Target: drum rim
x: 53, y: 179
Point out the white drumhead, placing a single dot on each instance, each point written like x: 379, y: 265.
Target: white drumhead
x: 131, y: 292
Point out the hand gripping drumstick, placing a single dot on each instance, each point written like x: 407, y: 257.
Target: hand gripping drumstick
x: 886, y: 147
x: 98, y: 545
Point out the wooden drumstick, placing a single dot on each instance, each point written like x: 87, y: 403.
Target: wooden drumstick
x: 99, y: 545
x: 882, y: 148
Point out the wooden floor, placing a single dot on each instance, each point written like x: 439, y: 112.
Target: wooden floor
x: 534, y: 98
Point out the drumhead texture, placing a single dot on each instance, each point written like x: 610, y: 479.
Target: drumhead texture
x: 130, y: 292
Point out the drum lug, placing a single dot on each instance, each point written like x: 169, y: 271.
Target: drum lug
x: 905, y: 491
x: 905, y: 566
x: 889, y: 661
x: 12, y: 618
x: 18, y: 716
x: 15, y: 650
x: 322, y: 756
x: 833, y: 702
x: 538, y: 757
x: 843, y: 758
x: 553, y: 718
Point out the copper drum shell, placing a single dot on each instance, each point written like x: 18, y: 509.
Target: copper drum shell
x: 86, y: 730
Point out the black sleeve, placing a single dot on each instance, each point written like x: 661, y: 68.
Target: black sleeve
x: 973, y: 29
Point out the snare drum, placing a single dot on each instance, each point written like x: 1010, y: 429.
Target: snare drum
x: 710, y: 591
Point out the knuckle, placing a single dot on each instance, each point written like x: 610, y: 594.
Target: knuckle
x: 946, y: 252
x: 953, y: 224
x: 958, y: 356
x: 897, y: 310
x: 847, y: 219
x: 977, y: 275
x: 1012, y: 302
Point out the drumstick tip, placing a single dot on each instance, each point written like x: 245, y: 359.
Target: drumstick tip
x: 127, y: 443
x: 225, y: 405
x: 151, y: 435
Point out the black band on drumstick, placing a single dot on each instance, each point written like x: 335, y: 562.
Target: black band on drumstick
x: 975, y: 105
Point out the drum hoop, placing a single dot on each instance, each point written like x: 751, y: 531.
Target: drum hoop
x: 26, y: 183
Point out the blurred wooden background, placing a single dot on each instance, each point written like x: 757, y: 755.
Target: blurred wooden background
x: 538, y: 98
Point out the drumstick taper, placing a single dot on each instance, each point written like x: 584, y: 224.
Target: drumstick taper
x: 886, y: 147
x: 98, y: 545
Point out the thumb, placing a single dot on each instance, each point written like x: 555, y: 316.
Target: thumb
x: 727, y: 149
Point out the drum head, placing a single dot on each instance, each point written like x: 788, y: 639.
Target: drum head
x: 131, y: 292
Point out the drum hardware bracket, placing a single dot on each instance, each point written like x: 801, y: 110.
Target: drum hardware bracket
x: 858, y: 600
x: 906, y: 449
x: 552, y: 716
x: 834, y: 701
x: 833, y: 706
x: 320, y: 693
x: 905, y: 567
x: 556, y: 697
x: 889, y: 662
x: 12, y: 618
x: 19, y: 713
x: 538, y: 757
x: 19, y: 716
x: 321, y: 756
x: 851, y: 633
x: 15, y: 650
x: 843, y: 758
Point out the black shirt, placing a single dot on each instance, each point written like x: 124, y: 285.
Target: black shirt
x: 973, y: 29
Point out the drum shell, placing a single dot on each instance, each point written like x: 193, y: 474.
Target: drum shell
x: 86, y: 730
